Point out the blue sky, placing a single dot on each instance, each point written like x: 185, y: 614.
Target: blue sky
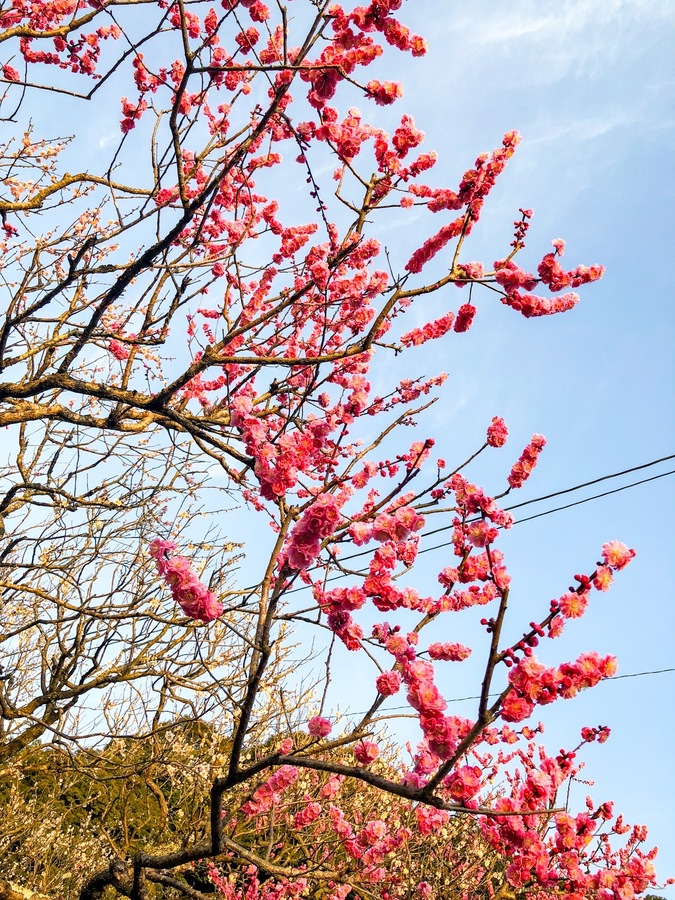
x: 590, y: 87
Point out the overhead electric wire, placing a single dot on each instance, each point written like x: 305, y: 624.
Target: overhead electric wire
x: 547, y: 512
x: 497, y: 693
x: 569, y: 490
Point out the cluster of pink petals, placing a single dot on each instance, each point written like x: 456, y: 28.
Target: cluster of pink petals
x: 307, y: 815
x: 118, y: 350
x: 269, y: 793
x: 317, y: 522
x: 384, y: 92
x: 511, y: 277
x: 388, y: 683
x: 532, y: 306
x: 9, y: 73
x: 465, y: 316
x: 497, y: 432
x: 397, y: 526
x: 449, y: 651
x: 564, y: 860
x: 464, y: 783
x: 366, y: 752
x: 533, y: 683
x: 428, y: 332
x: 522, y: 469
x: 473, y: 500
x: 616, y: 555
x: 515, y: 281
x: 319, y: 727
x: 556, y: 278
x: 442, y: 733
x: 193, y: 597
x: 467, y: 272
x: 434, y: 245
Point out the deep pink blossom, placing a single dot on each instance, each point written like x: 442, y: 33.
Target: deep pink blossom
x: 497, y: 432
x: 194, y: 598
x: 318, y: 726
x: 366, y: 752
x: 388, y: 683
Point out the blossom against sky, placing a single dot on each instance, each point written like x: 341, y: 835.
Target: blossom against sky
x: 590, y: 87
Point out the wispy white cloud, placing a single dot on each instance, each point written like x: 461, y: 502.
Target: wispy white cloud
x: 579, y: 37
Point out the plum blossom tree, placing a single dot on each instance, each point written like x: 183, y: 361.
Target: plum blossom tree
x: 175, y: 313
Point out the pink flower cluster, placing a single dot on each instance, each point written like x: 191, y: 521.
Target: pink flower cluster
x: 533, y: 683
x: 269, y: 793
x: 317, y: 522
x: 119, y: 350
x: 434, y: 245
x: 573, y: 858
x: 131, y: 113
x: 307, y: 815
x: 384, y: 92
x: 428, y: 332
x: 522, y: 469
x: 397, y: 526
x: 442, y: 733
x: 616, y: 555
x: 449, y: 651
x: 465, y: 317
x: 556, y: 278
x: 514, y: 280
x: 464, y: 783
x: 193, y: 597
x: 472, y: 499
x: 388, y: 683
x: 319, y: 727
x: 366, y: 752
x: 497, y: 432
x: 532, y: 306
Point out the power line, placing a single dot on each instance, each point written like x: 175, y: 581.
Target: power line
x: 547, y: 512
x: 477, y: 696
x: 576, y: 487
x: 560, y: 493
x: 595, y: 497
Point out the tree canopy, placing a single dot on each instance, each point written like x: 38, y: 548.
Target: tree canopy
x: 208, y: 369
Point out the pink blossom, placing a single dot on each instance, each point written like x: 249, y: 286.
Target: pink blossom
x: 319, y: 727
x: 465, y: 317
x: 388, y: 683
x: 194, y: 598
x: 306, y: 816
x: 384, y: 92
x: 366, y: 752
x: 528, y: 460
x: 464, y: 783
x: 372, y: 833
x: 602, y: 579
x: 515, y: 708
x: 119, y: 351
x: 449, y: 651
x: 497, y: 432
x: 10, y: 74
x: 616, y: 555
x: 317, y: 522
x: 573, y: 604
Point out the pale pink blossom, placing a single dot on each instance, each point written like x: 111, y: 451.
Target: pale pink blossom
x: 616, y: 555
